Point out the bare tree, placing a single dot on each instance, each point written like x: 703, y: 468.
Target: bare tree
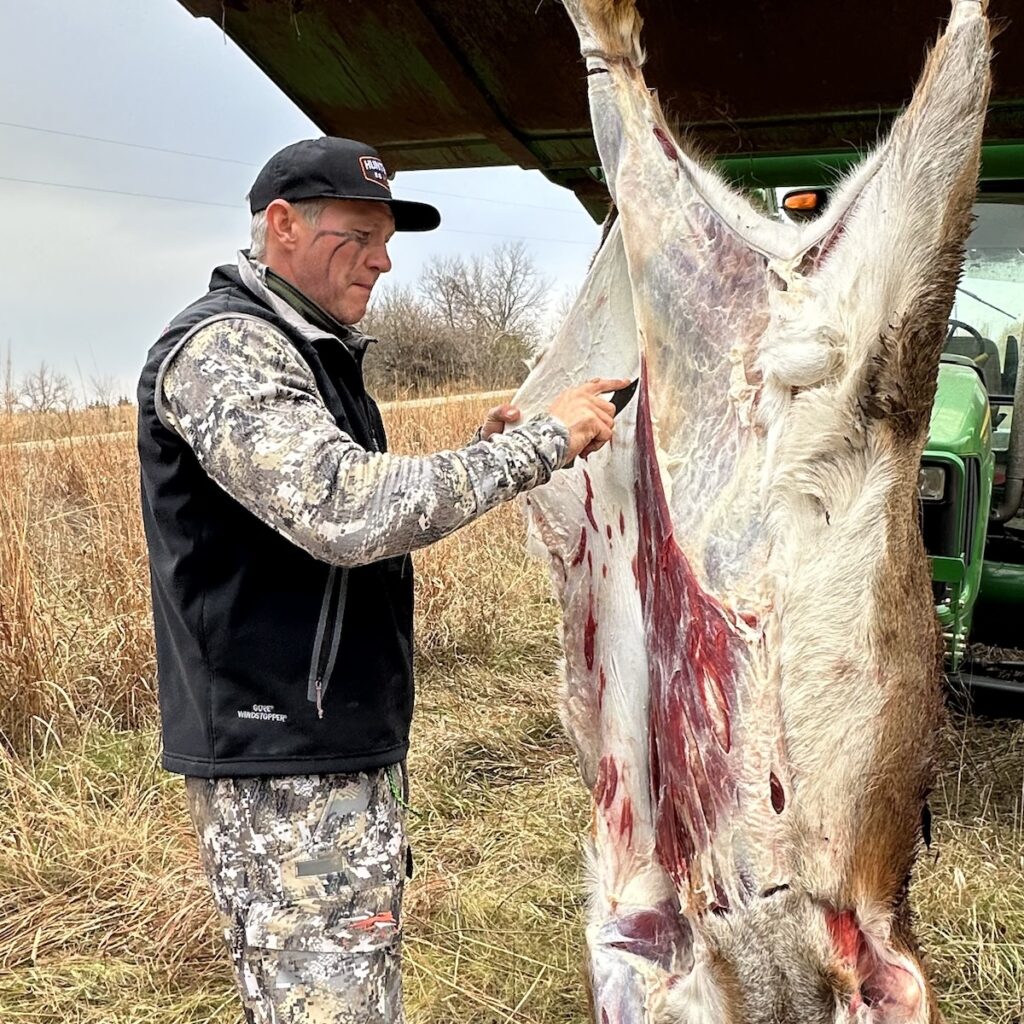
x: 470, y: 323
x: 513, y: 295
x: 501, y: 292
x: 103, y: 391
x: 46, y: 390
x: 443, y: 284
x: 497, y: 300
x: 417, y: 349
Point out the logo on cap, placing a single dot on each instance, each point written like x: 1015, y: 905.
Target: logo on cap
x: 375, y: 171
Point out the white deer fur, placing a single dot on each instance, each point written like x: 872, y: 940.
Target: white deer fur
x: 788, y: 371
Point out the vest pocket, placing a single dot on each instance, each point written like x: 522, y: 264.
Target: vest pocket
x: 328, y: 636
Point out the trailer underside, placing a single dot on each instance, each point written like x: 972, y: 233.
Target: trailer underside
x: 446, y: 83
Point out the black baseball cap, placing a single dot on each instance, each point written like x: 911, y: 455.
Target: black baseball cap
x: 333, y: 168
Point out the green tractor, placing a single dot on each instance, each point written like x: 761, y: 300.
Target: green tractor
x: 973, y: 465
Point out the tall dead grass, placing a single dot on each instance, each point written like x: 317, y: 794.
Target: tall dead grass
x: 74, y: 621
x: 104, y: 917
x: 23, y: 428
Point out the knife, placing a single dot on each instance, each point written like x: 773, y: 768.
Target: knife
x: 619, y: 398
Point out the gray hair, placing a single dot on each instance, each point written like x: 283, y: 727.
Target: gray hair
x: 309, y: 209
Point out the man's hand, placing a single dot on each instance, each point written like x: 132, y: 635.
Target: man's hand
x: 588, y: 416
x: 496, y: 420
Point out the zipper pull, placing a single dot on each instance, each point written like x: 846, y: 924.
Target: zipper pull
x: 319, y: 694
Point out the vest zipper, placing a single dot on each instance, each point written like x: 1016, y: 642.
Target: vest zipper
x: 328, y: 636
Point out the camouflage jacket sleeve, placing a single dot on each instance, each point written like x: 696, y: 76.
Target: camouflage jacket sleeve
x: 247, y: 404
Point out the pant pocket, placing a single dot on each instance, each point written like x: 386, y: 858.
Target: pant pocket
x: 358, y: 841
x: 352, y: 920
x: 335, y: 960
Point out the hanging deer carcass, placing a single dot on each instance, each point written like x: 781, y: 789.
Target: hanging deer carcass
x: 751, y: 654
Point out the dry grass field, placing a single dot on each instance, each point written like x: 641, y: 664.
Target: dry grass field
x: 104, y: 917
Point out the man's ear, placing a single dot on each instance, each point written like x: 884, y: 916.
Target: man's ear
x: 283, y: 224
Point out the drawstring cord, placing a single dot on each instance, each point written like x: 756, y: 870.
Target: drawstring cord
x: 396, y: 793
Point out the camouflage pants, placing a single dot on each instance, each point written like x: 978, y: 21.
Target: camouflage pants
x: 307, y: 875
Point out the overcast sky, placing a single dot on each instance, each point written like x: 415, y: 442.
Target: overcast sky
x: 89, y: 278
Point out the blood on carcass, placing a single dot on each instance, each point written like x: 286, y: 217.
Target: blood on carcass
x: 626, y: 821
x: 589, y: 634
x: 607, y: 782
x: 846, y: 935
x: 693, y: 652
x: 588, y: 504
x: 581, y: 550
x: 777, y: 792
x: 667, y: 145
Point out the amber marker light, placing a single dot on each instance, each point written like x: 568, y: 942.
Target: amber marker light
x: 805, y: 202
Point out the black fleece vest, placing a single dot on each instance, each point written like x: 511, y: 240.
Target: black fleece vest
x: 248, y: 626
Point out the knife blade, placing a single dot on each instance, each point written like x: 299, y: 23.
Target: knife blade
x: 620, y: 398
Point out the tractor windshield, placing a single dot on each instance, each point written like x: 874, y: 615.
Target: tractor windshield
x: 988, y: 314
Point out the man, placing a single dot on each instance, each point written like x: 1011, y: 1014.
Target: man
x: 279, y: 533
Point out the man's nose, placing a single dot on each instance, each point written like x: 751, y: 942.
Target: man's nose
x: 380, y: 260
